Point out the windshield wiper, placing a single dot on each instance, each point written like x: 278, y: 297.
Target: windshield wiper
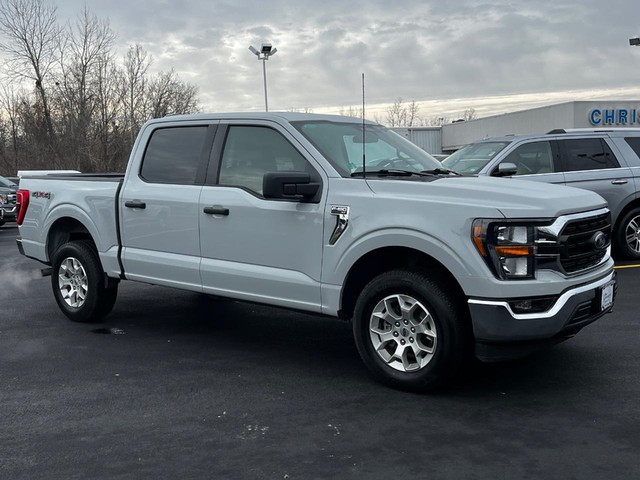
x: 441, y: 171
x: 392, y: 172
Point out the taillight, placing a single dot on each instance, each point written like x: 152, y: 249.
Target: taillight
x: 22, y: 203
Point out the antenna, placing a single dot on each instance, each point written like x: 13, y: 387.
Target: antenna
x: 364, y: 143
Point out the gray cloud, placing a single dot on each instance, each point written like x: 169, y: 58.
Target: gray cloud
x: 423, y: 50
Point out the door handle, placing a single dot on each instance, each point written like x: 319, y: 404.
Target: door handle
x: 619, y: 181
x: 216, y: 211
x: 135, y: 204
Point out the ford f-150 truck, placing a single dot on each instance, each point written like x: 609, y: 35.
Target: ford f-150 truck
x: 336, y: 216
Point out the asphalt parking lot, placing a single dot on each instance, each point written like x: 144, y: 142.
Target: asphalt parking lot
x: 176, y: 385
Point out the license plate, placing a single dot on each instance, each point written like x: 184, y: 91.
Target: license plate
x: 606, y: 298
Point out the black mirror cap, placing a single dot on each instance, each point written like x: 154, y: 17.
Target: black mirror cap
x: 290, y: 186
x: 505, y: 170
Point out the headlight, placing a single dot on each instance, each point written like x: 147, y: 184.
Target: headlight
x: 508, y: 248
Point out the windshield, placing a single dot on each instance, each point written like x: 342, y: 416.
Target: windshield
x: 343, y: 144
x: 472, y: 158
x: 4, y: 182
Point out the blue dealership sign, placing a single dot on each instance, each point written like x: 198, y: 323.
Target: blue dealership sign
x: 614, y: 116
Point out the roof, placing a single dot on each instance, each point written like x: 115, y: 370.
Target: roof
x: 273, y: 116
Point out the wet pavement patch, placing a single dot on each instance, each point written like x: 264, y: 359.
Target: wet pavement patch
x: 108, y: 331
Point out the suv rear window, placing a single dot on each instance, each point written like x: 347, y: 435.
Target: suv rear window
x: 588, y: 154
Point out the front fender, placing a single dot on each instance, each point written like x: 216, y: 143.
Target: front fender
x: 455, y: 260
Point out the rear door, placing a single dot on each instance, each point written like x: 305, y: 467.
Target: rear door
x: 255, y: 248
x: 591, y: 164
x: 159, y: 205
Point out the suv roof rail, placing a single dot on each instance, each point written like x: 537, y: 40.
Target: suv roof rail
x: 556, y: 131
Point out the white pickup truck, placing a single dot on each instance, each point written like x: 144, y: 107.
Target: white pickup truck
x: 275, y: 208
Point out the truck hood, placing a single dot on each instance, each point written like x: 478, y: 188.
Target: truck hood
x: 513, y: 198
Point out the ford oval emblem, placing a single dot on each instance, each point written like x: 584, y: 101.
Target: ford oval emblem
x: 599, y: 240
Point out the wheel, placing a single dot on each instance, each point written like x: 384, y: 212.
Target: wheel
x: 78, y: 283
x: 627, y: 237
x: 409, y: 330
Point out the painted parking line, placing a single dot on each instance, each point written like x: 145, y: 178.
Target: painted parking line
x: 619, y: 267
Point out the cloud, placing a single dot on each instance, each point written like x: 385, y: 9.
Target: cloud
x: 427, y: 51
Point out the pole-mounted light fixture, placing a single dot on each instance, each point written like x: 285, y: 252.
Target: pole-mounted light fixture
x: 266, y: 50
x: 634, y: 42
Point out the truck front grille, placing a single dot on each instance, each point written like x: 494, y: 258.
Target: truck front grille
x: 579, y: 250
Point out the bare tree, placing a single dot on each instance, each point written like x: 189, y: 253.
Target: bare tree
x: 469, y: 114
x: 31, y: 36
x: 136, y: 64
x: 438, y: 121
x: 10, y: 101
x: 396, y: 113
x: 169, y: 95
x: 400, y: 114
x: 350, y: 111
x: 87, y: 46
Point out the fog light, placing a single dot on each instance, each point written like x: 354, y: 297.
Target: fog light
x: 532, y: 305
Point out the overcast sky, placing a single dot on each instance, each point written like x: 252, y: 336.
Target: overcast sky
x: 492, y: 55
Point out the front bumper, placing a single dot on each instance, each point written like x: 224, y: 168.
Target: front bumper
x: 501, y: 334
x: 8, y: 213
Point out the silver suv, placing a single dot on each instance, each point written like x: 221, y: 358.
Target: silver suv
x: 606, y: 161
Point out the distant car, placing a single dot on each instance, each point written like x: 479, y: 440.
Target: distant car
x: 605, y: 161
x: 8, y: 190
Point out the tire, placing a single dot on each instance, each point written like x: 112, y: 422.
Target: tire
x: 433, y: 324
x: 78, y: 283
x: 627, y: 236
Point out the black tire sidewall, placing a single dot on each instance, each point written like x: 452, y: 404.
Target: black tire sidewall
x: 86, y: 255
x: 446, y: 316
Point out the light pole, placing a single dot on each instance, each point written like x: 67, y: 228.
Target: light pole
x: 634, y: 42
x: 266, y: 50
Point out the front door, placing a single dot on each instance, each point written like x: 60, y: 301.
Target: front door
x: 253, y: 248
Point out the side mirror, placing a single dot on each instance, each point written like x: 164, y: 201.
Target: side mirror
x: 289, y: 186
x: 506, y: 169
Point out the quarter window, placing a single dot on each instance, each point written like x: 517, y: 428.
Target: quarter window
x: 588, y: 154
x: 634, y: 143
x: 250, y: 152
x: 174, y: 155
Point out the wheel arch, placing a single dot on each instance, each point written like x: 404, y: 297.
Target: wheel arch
x: 389, y: 258
x: 635, y: 203
x: 63, y: 230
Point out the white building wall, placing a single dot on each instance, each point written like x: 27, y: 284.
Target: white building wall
x: 427, y: 138
x: 537, y: 120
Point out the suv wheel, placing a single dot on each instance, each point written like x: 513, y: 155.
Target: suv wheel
x: 628, y: 235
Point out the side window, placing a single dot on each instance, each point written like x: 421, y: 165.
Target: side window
x: 173, y: 155
x: 532, y: 158
x: 634, y: 143
x: 587, y: 154
x: 250, y: 152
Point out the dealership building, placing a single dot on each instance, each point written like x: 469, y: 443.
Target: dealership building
x: 582, y: 114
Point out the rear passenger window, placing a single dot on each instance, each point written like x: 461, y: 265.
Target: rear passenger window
x: 588, y: 154
x: 174, y: 155
x: 634, y: 143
